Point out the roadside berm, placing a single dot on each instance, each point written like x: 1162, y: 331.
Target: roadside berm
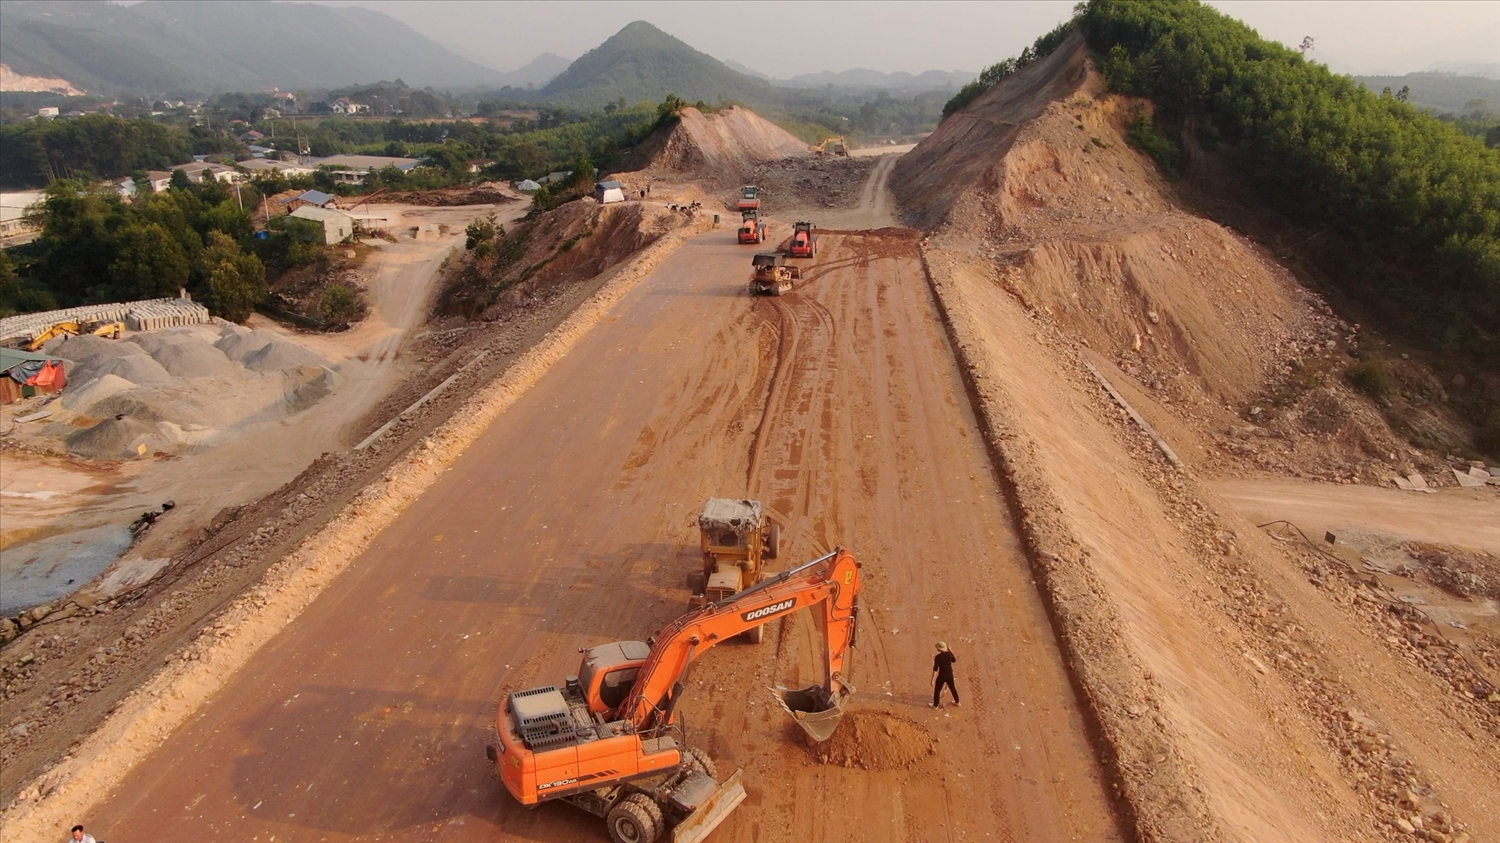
x: 1240, y: 689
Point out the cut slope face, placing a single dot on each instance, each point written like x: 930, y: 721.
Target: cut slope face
x: 1235, y: 682
x: 719, y: 146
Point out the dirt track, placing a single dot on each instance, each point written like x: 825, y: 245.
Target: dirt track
x: 842, y: 407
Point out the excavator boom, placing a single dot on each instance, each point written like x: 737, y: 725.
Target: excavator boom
x: 829, y: 584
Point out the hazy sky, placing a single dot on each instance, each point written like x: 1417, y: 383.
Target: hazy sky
x: 783, y: 39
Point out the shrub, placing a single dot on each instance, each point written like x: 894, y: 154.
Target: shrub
x: 1372, y: 377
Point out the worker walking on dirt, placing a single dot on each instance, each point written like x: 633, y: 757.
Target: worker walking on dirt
x: 942, y: 674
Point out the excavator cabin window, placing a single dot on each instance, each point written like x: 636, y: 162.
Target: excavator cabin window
x: 616, y: 686
x: 729, y: 538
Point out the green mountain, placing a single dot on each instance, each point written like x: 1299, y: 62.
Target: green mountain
x: 642, y: 63
x: 222, y: 45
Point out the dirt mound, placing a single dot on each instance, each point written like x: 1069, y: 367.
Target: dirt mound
x: 722, y: 146
x: 875, y: 740
x: 187, y: 354
x: 238, y: 343
x: 123, y: 359
x: 489, y: 193
x: 117, y: 438
x: 280, y: 355
x: 91, y: 393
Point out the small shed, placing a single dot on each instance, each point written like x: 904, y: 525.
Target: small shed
x: 337, y: 225
x: 26, y: 373
x: 609, y: 191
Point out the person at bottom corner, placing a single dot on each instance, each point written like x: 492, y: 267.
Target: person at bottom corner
x: 942, y: 674
x: 77, y: 835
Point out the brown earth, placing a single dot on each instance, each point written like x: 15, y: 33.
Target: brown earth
x: 1245, y: 690
x: 719, y: 147
x: 1137, y: 659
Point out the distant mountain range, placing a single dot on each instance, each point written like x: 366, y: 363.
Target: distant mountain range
x: 223, y: 45
x: 180, y: 47
x: 538, y: 72
x: 864, y: 78
x: 1441, y: 93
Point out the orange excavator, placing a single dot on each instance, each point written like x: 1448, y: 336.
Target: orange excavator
x: 611, y: 740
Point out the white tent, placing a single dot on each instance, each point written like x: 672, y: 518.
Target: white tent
x: 527, y: 185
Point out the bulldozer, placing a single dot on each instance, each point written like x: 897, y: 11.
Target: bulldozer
x: 772, y: 276
x: 73, y: 329
x: 751, y: 228
x: 749, y: 198
x: 804, y: 240
x: 609, y: 739
x: 832, y: 146
x: 735, y: 536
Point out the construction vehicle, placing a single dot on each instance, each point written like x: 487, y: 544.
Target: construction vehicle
x: 735, y: 535
x: 749, y: 198
x: 772, y: 277
x: 610, y: 740
x: 833, y: 145
x: 73, y: 329
x: 751, y: 229
x: 804, y: 241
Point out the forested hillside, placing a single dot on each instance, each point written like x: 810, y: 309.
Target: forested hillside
x: 640, y: 62
x: 1415, y: 194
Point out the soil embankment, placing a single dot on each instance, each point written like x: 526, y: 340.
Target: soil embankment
x: 717, y: 147
x: 1243, y: 690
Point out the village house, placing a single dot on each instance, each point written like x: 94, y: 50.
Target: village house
x: 344, y: 105
x: 335, y: 225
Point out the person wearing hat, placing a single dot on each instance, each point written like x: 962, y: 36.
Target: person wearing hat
x: 942, y: 674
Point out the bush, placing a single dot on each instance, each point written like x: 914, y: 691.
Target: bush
x: 1372, y: 377
x: 340, y: 305
x: 1142, y: 134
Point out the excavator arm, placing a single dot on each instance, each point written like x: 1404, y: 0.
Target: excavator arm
x: 829, y: 585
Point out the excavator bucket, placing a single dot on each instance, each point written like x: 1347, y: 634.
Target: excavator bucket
x: 711, y: 812
x: 814, y: 708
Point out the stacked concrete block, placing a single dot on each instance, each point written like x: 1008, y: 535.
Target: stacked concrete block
x: 159, y: 314
x: 149, y: 315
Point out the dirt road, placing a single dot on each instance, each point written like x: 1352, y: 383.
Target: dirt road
x: 571, y: 523
x: 1460, y: 517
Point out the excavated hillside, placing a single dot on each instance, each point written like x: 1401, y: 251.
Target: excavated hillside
x: 721, y: 146
x: 1124, y: 352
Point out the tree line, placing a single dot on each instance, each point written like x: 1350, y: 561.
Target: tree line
x: 94, y: 247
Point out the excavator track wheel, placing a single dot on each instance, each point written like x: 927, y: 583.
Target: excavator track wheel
x: 635, y: 819
x: 698, y: 760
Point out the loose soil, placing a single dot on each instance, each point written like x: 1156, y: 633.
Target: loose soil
x: 875, y: 740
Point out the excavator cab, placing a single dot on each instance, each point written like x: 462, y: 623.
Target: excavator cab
x: 609, y: 671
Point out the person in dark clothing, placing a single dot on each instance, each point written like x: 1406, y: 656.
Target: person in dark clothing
x: 942, y: 674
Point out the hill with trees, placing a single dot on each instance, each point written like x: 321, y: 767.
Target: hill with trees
x: 199, y: 46
x: 642, y: 63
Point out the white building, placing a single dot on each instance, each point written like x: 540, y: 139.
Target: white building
x: 337, y: 226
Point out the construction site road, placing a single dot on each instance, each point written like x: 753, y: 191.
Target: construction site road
x: 571, y: 522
